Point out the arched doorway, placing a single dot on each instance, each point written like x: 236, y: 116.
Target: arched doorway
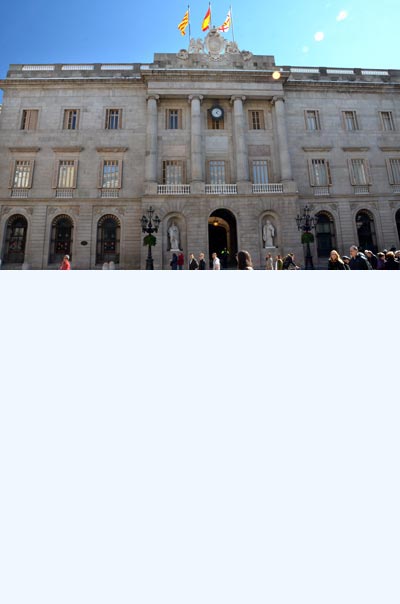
x: 366, y: 231
x: 222, y: 237
x: 398, y: 223
x: 61, y: 238
x: 16, y: 230
x: 326, y: 236
x: 108, y: 238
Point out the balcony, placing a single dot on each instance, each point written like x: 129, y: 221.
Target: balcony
x: 109, y: 193
x: 173, y: 189
x: 321, y: 191
x: 221, y: 189
x: 361, y: 189
x: 19, y: 193
x: 64, y: 193
x: 268, y: 188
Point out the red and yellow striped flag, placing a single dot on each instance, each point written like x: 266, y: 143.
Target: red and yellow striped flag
x: 207, y: 20
x: 184, y: 23
x: 226, y: 24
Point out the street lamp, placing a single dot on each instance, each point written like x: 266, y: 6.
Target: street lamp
x: 307, y: 223
x: 150, y: 225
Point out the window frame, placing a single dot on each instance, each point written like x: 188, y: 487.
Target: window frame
x: 391, y: 173
x: 226, y: 171
x: 312, y: 173
x: 103, y: 162
x: 173, y: 162
x: 356, y: 120
x: 391, y: 120
x: 352, y: 173
x: 56, y: 173
x: 268, y: 165
x: 260, y: 118
x: 108, y: 116
x: 317, y: 120
x: 13, y: 168
x: 179, y: 118
x: 29, y: 120
x: 66, y: 119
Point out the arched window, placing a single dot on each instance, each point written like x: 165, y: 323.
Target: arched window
x: 108, y: 236
x: 398, y: 222
x: 326, y: 236
x: 16, y: 230
x: 61, y: 238
x: 366, y: 231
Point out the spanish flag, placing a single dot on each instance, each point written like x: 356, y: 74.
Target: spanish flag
x: 207, y: 19
x: 184, y: 23
x: 226, y: 24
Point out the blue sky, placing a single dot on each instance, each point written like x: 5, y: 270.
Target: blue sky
x: 357, y: 33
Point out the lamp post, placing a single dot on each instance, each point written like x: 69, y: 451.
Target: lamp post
x: 150, y: 225
x: 306, y: 223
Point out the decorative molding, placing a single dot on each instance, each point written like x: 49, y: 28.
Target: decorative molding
x: 67, y: 149
x: 355, y: 149
x: 237, y: 97
x: 275, y: 99
x: 24, y: 149
x: 111, y: 149
x: 390, y: 149
x: 192, y: 97
x: 317, y: 149
x: 156, y: 97
x: 51, y: 210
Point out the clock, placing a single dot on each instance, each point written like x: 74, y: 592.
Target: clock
x: 217, y: 112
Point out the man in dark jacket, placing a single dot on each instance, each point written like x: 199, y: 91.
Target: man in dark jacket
x: 358, y: 262
x: 372, y: 259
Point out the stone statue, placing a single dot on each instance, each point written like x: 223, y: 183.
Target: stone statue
x: 268, y: 234
x: 196, y: 46
x: 183, y: 54
x: 173, y: 233
x: 232, y: 48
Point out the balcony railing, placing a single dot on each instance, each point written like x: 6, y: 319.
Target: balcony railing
x: 268, y: 188
x: 396, y: 188
x: 173, y: 189
x: 20, y: 193
x: 361, y: 189
x: 64, y: 193
x: 321, y: 191
x: 109, y: 193
x: 221, y: 189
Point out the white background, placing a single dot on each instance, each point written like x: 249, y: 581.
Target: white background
x: 192, y: 437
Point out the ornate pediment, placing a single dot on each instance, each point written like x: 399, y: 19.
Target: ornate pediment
x: 215, y: 48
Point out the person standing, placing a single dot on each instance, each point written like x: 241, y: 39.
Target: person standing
x: 372, y: 259
x: 181, y: 261
x: 335, y: 262
x: 216, y: 262
x: 174, y: 262
x: 269, y: 263
x: 278, y: 263
x: 289, y: 263
x: 244, y: 261
x: 193, y: 264
x: 202, y: 262
x: 391, y: 263
x: 380, y: 261
x: 65, y: 264
x: 358, y: 262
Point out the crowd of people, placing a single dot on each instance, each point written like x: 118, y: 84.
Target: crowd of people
x: 363, y: 261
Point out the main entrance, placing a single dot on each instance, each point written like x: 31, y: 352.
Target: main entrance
x: 222, y: 237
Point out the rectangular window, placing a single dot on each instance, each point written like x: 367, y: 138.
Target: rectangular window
x: 111, y: 174
x: 173, y: 172
x: 256, y: 120
x: 359, y: 172
x: 320, y: 174
x: 66, y: 174
x: 22, y: 175
x: 71, y: 119
x: 312, y: 120
x: 350, y: 121
x: 213, y: 124
x: 260, y: 171
x: 174, y: 119
x: 387, y: 121
x: 393, y: 167
x: 113, y: 119
x: 29, y: 119
x: 217, y: 172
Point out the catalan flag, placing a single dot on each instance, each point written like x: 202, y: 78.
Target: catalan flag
x: 207, y: 19
x: 227, y: 23
x: 184, y: 23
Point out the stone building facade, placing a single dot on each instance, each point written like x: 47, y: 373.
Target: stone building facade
x: 216, y: 140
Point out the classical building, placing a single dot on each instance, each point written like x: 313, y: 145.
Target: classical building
x: 225, y: 146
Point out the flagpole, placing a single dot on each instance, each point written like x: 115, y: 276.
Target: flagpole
x: 190, y: 35
x: 233, y: 33
x: 211, y: 23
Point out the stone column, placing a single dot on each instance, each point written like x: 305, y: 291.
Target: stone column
x: 284, y: 157
x: 151, y: 140
x: 242, y: 159
x: 196, y: 153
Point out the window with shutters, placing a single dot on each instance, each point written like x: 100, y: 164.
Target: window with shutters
x: 173, y: 172
x: 113, y: 119
x: 387, y: 121
x: 359, y: 172
x: 320, y: 174
x: 260, y: 171
x: 217, y: 172
x: 22, y: 174
x: 393, y: 168
x: 312, y: 120
x: 256, y: 120
x: 350, y: 121
x: 173, y: 119
x: 66, y: 174
x: 71, y: 119
x: 111, y: 170
x: 29, y: 119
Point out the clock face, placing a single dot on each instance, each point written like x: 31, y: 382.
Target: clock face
x: 217, y: 113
